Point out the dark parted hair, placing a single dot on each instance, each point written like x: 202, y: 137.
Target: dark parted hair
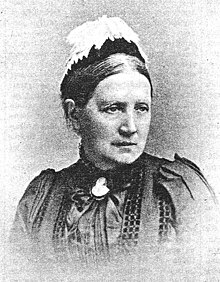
x: 114, y: 57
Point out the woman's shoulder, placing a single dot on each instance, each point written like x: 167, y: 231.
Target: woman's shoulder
x: 182, y: 179
x: 194, y: 200
x: 184, y: 172
x: 39, y: 183
x: 47, y: 179
x: 175, y: 162
x: 36, y: 191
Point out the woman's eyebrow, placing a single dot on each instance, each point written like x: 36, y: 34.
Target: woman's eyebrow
x: 103, y: 103
x: 109, y: 102
x: 142, y: 102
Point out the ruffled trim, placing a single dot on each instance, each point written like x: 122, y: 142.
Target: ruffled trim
x: 94, y: 34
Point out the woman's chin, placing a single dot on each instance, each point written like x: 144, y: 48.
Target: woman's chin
x: 111, y: 158
x: 125, y: 158
x: 128, y: 159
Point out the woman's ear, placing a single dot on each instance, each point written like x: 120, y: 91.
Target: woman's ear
x: 70, y: 106
x: 72, y: 114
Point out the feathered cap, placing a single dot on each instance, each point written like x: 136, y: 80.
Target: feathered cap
x: 88, y: 41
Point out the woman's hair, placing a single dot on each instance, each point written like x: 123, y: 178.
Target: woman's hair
x: 114, y: 57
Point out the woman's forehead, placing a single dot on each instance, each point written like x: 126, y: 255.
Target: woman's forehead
x: 123, y: 86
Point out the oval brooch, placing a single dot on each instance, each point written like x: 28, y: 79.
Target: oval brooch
x: 100, y: 189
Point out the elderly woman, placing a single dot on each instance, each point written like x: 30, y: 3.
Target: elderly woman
x: 116, y: 198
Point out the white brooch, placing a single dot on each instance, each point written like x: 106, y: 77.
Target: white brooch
x: 100, y: 189
x: 95, y: 33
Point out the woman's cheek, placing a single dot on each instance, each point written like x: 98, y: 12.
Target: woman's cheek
x: 97, y: 129
x: 102, y: 124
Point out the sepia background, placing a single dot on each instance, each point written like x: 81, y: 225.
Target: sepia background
x: 182, y: 40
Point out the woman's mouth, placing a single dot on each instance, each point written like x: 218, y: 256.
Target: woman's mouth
x: 123, y: 144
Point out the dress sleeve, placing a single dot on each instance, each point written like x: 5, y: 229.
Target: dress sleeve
x: 196, y: 208
x: 21, y: 232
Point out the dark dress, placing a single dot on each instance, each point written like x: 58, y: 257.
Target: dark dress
x: 151, y: 203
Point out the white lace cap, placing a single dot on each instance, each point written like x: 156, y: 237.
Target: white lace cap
x: 95, y: 33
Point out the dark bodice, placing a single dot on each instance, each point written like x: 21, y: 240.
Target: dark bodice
x: 147, y: 203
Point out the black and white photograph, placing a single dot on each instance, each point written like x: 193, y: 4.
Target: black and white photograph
x: 110, y: 156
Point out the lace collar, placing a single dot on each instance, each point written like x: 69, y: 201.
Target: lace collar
x: 85, y: 174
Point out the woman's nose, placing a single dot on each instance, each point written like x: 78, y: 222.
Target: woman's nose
x: 128, y: 127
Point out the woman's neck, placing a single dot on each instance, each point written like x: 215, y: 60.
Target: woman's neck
x: 99, y: 164
x: 102, y: 164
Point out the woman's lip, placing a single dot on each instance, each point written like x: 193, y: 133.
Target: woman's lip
x: 123, y: 144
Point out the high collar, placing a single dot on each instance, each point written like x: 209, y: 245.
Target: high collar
x: 121, y: 176
x: 90, y: 167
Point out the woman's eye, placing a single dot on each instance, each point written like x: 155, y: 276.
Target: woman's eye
x: 112, y: 109
x: 142, y: 108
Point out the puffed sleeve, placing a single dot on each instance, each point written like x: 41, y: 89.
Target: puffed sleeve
x: 21, y: 232
x: 196, y: 209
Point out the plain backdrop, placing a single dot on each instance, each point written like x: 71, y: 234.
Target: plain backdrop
x: 182, y: 40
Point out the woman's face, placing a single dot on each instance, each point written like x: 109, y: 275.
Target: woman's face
x: 114, y: 125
